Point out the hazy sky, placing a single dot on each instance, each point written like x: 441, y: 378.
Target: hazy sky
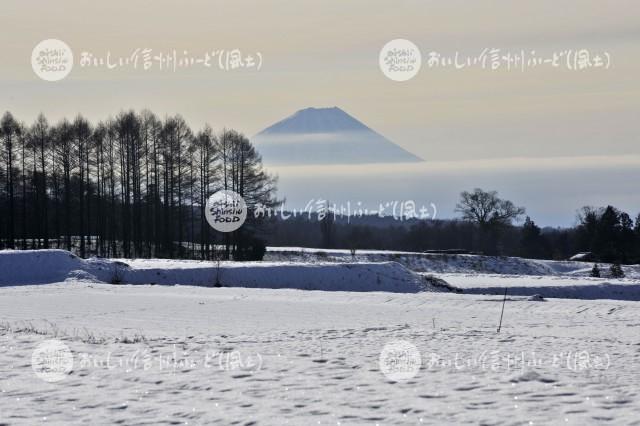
x: 550, y: 139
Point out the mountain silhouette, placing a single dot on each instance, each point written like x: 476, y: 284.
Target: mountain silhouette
x: 326, y: 136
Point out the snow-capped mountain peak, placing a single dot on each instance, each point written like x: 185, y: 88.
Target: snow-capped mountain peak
x: 316, y: 120
x: 326, y: 136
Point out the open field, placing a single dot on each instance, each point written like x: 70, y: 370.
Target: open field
x: 315, y: 338
x: 191, y: 355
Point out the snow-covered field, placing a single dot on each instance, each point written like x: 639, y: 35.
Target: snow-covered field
x: 297, y: 357
x: 196, y: 354
x: 556, y: 286
x: 447, y: 263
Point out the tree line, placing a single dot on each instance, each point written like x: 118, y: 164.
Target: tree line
x: 136, y: 185
x: 604, y: 234
x: 133, y: 185
x: 487, y: 224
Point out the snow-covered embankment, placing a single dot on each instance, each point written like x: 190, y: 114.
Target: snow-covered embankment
x: 50, y: 266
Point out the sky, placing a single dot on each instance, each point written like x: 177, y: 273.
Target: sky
x: 550, y: 139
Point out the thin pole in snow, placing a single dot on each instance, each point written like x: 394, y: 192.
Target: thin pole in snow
x: 502, y: 313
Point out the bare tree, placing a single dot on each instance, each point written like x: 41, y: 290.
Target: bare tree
x: 10, y: 131
x: 41, y: 139
x: 64, y: 152
x: 132, y: 186
x: 82, y: 135
x: 490, y: 213
x: 487, y: 209
x: 205, y: 160
x: 241, y: 171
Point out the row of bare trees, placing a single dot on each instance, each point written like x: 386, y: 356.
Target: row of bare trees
x: 131, y: 186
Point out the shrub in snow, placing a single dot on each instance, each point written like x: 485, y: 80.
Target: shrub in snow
x: 252, y: 249
x: 218, y: 282
x: 616, y: 271
x: 116, y: 278
x: 595, y: 271
x: 440, y: 283
x: 536, y: 298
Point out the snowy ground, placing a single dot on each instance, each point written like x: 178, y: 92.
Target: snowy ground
x: 448, y: 263
x: 195, y: 354
x: 491, y: 274
x: 50, y: 266
x: 566, y: 287
x: 313, y: 357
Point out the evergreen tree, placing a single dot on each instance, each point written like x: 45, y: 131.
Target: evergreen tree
x: 616, y: 271
x: 533, y: 244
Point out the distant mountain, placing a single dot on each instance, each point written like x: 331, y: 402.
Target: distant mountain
x: 326, y: 136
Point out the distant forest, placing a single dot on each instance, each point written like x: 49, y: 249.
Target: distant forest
x: 488, y: 225
x: 136, y: 185
x: 130, y: 186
